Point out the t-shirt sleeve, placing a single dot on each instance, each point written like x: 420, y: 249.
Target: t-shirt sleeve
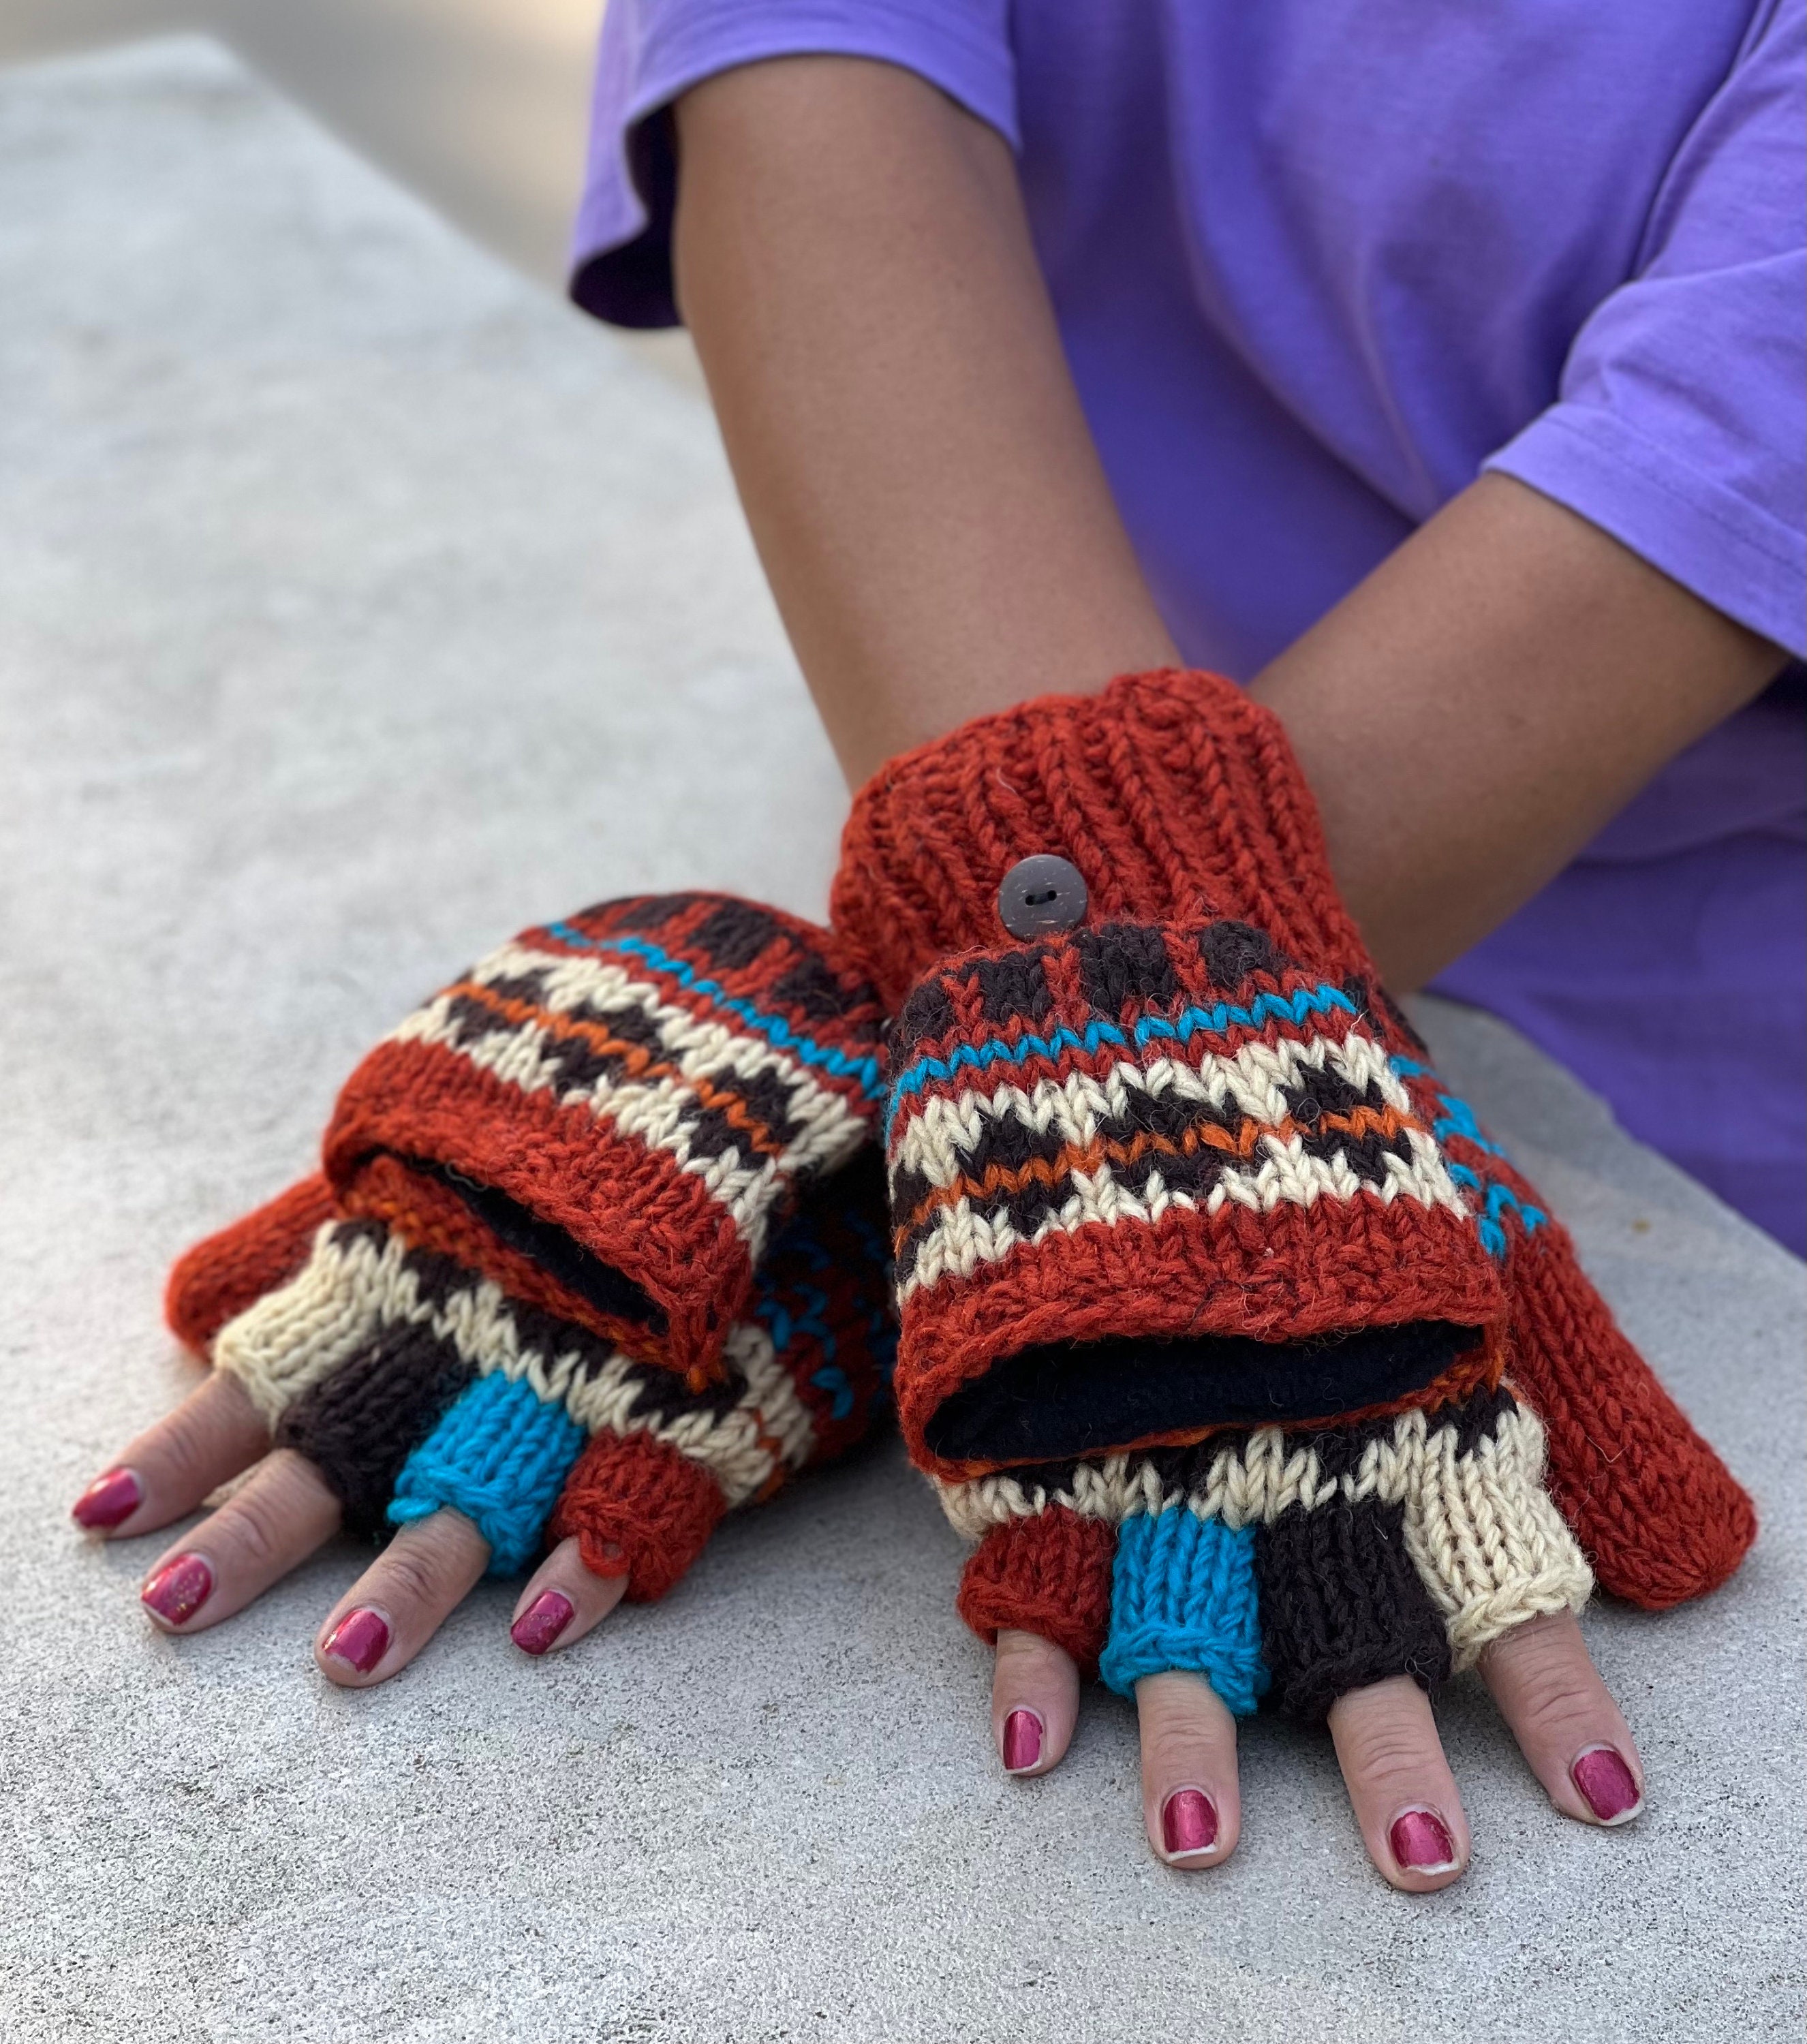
x: 651, y: 51
x: 1681, y: 425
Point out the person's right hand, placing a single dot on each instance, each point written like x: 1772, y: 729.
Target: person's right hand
x: 364, y: 1384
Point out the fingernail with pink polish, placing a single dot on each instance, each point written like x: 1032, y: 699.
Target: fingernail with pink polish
x: 1421, y: 1843
x: 1608, y: 1786
x: 108, y: 1501
x: 178, y: 1589
x: 1022, y: 1742
x: 542, y: 1622
x: 1189, y: 1824
x: 360, y: 1638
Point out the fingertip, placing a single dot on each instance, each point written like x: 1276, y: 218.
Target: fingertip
x: 1403, y: 1796
x: 1425, y: 1850
x: 563, y: 1601
x: 109, y: 1502
x: 1573, y: 1736
x: 1191, y: 1797
x: 1189, y: 1832
x: 351, y: 1649
x: 1034, y: 1703
x: 1609, y: 1786
x: 536, y: 1630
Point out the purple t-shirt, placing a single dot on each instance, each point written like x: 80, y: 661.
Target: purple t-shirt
x: 1315, y: 265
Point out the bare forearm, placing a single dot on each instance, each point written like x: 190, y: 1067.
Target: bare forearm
x: 854, y: 262
x: 1474, y: 712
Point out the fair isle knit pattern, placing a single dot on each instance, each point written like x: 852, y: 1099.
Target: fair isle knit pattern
x: 1003, y: 1136
x: 1404, y: 1545
x: 657, y: 1081
x: 414, y: 1382
x: 1170, y: 1124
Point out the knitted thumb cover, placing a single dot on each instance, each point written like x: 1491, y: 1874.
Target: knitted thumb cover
x: 809, y: 1370
x: 1658, y: 1513
x: 413, y: 1382
x: 612, y: 1115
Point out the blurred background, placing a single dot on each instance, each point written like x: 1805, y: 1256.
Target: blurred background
x: 478, y: 105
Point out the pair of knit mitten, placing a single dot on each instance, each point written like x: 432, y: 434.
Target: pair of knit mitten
x: 1226, y: 1333
x: 592, y: 1251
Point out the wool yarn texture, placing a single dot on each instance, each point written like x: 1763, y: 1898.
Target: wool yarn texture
x: 1309, y: 1563
x: 415, y: 1382
x: 612, y: 1115
x: 1178, y: 1169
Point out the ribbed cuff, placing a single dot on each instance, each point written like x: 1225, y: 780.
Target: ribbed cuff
x: 1174, y: 796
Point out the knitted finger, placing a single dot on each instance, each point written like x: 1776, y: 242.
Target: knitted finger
x: 219, y: 1278
x: 1047, y: 1572
x: 500, y: 1455
x: 1151, y: 1172
x: 375, y: 1354
x: 638, y: 1508
x: 1183, y: 1596
x: 804, y: 1377
x: 1401, y: 1546
x: 1658, y: 1513
x: 613, y: 1114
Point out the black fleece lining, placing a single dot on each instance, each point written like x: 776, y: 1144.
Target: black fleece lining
x: 610, y: 1291
x: 1046, y: 1404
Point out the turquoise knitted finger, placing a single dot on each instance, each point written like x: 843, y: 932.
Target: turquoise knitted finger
x: 499, y: 1455
x: 1183, y: 1596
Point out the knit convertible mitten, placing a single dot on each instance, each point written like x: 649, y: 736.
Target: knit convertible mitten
x: 411, y: 1381
x: 611, y: 1116
x: 544, y: 1220
x: 1169, y: 1178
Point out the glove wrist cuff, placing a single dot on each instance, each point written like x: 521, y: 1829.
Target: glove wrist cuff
x: 1175, y: 797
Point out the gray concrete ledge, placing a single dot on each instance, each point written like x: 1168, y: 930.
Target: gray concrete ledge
x: 357, y: 605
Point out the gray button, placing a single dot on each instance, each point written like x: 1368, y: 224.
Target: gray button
x: 1041, y: 896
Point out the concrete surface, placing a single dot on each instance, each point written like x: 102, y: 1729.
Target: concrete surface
x: 480, y: 105
x: 356, y: 606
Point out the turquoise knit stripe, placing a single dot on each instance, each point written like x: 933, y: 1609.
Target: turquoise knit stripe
x: 1182, y: 1596
x: 499, y: 1455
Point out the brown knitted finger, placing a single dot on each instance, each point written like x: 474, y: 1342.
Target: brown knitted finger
x: 358, y: 1426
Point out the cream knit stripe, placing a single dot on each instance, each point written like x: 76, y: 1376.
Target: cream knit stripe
x: 351, y: 1291
x: 662, y: 1114
x: 291, y: 1338
x: 964, y: 1235
x: 943, y: 1132
x: 1258, y: 1475
x: 1490, y: 1547
x: 700, y: 1048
